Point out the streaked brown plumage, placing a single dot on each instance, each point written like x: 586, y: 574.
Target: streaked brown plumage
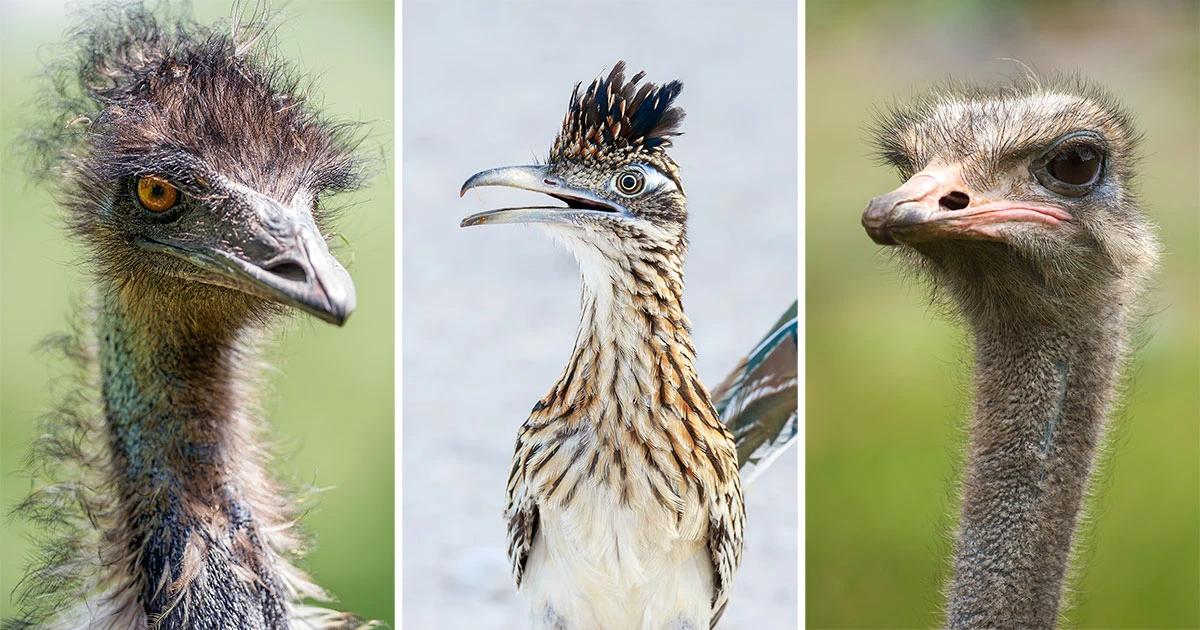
x: 624, y: 501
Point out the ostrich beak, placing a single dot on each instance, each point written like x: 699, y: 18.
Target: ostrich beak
x: 937, y: 204
x: 580, y: 202
x: 274, y: 252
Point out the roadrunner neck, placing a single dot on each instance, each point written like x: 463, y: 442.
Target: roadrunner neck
x: 631, y: 318
x: 633, y: 357
x: 631, y: 371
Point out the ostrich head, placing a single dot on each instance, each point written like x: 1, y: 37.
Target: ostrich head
x: 196, y: 172
x: 609, y: 166
x: 1018, y: 199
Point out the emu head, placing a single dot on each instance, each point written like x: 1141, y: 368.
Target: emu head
x: 1017, y: 198
x: 608, y: 165
x: 196, y: 172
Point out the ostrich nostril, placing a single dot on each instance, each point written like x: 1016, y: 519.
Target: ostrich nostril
x: 289, y: 270
x: 955, y: 201
x: 550, y: 182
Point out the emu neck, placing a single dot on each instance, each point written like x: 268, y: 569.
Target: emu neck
x: 194, y: 499
x: 1043, y: 393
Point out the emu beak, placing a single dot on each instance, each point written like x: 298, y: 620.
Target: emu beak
x: 276, y: 253
x: 936, y: 204
x: 580, y: 202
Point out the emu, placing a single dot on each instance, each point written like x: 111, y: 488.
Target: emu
x: 1018, y: 202
x: 196, y: 176
x: 625, y: 499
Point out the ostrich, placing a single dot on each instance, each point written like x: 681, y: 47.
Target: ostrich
x: 1018, y: 202
x: 195, y: 174
x: 624, y: 499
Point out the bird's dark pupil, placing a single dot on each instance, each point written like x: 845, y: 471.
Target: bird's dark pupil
x: 629, y: 182
x: 1076, y: 166
x: 157, y: 191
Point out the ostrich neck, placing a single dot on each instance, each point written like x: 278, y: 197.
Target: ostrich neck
x: 1043, y: 393
x: 194, y: 501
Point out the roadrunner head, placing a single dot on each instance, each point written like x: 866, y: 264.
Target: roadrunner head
x: 609, y: 167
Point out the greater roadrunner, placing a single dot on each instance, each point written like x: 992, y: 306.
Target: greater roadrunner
x: 624, y: 499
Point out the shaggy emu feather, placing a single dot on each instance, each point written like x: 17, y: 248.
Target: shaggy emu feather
x: 195, y: 173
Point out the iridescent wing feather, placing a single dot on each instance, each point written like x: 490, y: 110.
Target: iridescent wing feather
x: 757, y: 401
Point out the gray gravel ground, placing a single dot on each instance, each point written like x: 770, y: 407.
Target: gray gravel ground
x: 490, y: 313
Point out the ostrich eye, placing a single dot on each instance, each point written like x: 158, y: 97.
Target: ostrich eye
x: 630, y: 182
x: 156, y: 194
x: 1071, y: 167
x: 1078, y: 166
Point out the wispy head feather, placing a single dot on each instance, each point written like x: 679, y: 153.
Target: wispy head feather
x: 135, y: 81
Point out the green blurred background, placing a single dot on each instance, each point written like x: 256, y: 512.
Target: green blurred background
x: 888, y: 376
x: 330, y: 398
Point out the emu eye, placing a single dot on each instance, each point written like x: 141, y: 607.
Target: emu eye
x: 630, y: 182
x: 1071, y: 168
x: 156, y: 194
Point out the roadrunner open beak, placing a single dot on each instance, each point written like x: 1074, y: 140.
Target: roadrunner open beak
x: 580, y: 202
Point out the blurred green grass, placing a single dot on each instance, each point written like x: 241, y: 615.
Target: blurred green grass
x: 887, y: 374
x: 330, y: 401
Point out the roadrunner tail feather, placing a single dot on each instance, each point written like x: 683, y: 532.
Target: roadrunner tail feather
x: 757, y: 401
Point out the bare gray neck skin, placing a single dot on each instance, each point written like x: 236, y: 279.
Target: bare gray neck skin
x: 172, y: 395
x: 1043, y: 393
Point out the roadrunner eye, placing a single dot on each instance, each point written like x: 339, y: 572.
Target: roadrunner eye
x: 156, y: 194
x: 631, y: 182
x: 1070, y: 168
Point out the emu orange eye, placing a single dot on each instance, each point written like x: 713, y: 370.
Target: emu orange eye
x: 156, y: 194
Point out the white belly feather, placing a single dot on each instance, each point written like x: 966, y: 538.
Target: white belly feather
x: 596, y: 565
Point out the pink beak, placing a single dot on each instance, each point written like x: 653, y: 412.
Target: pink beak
x: 937, y: 204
